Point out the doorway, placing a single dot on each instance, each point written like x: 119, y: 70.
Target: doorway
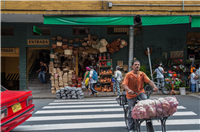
x: 34, y: 56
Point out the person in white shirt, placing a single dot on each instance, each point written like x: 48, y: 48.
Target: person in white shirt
x: 92, y: 82
x: 198, y: 80
x: 118, y: 78
x: 160, y: 75
x: 193, y: 81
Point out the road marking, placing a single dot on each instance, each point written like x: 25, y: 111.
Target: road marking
x: 98, y: 125
x: 195, y: 96
x: 90, y: 106
x: 181, y: 107
x: 78, y: 111
x: 77, y: 100
x: 104, y: 102
x: 182, y: 131
x: 187, y: 113
x: 99, y: 116
x: 80, y: 106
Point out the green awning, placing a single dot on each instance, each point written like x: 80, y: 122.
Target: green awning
x: 88, y: 20
x: 164, y: 20
x: 195, y: 21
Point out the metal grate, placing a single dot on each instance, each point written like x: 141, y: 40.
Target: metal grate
x: 117, y: 30
x: 7, y: 31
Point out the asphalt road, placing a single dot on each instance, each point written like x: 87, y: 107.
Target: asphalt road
x: 103, y: 115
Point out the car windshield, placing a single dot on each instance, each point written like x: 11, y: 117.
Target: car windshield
x: 3, y: 89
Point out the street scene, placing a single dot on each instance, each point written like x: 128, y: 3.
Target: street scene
x: 103, y: 114
x: 97, y: 66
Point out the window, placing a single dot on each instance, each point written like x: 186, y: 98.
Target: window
x: 81, y: 30
x: 45, y: 31
x: 117, y: 30
x: 7, y: 31
x: 3, y: 89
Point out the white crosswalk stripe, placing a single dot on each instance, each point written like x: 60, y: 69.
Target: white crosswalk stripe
x: 94, y: 114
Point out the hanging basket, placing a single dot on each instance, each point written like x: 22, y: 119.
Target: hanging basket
x: 196, y: 50
x: 193, y: 38
x: 53, y: 38
x: 76, y: 40
x: 84, y: 44
x: 64, y: 46
x: 54, y: 46
x: 65, y: 40
x: 192, y: 47
x: 59, y: 38
x: 71, y: 41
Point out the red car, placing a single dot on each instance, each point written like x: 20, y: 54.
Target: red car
x: 16, y: 107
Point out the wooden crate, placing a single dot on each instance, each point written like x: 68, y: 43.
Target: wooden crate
x: 125, y: 68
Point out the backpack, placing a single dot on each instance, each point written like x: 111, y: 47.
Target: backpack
x: 95, y: 76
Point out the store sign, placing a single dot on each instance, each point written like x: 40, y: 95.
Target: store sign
x: 38, y: 42
x: 7, y: 50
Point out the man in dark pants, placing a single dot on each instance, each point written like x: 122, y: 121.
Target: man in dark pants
x: 42, y: 71
x: 133, y: 82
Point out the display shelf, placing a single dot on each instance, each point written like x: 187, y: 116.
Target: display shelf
x: 106, y: 60
x: 104, y: 66
x: 106, y: 75
x: 106, y: 83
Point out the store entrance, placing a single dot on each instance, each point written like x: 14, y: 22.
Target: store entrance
x: 34, y: 56
x: 10, y: 72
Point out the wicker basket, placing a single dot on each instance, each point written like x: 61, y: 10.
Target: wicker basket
x: 59, y: 38
x: 94, y: 37
x: 94, y: 42
x: 71, y: 41
x: 54, y: 46
x: 193, y: 38
x: 81, y: 48
x: 196, y: 50
x: 192, y: 48
x: 65, y: 40
x: 120, y: 64
x: 76, y: 40
x: 85, y: 38
x: 59, y: 43
x: 198, y: 40
x: 52, y: 55
x: 125, y: 68
x: 87, y: 48
x: 53, y: 38
x: 84, y: 44
x: 70, y: 46
x: 68, y: 52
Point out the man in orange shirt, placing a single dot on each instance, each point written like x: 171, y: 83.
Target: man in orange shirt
x: 133, y: 82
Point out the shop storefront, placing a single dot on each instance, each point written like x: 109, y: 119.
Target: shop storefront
x: 101, y: 48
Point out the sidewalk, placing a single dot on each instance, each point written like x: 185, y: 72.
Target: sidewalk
x: 101, y: 94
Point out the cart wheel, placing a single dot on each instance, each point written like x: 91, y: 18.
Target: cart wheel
x: 126, y: 116
x: 166, y: 90
x: 149, y: 126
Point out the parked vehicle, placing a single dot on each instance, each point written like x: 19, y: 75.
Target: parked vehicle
x: 16, y: 108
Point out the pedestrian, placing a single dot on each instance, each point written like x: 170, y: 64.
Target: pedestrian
x: 93, y: 80
x: 189, y: 78
x: 134, y: 82
x: 193, y: 81
x: 197, y: 79
x: 86, y: 80
x: 42, y: 71
x: 160, y: 75
x: 118, y: 78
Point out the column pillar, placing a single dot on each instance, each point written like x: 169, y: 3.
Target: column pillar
x: 131, y: 46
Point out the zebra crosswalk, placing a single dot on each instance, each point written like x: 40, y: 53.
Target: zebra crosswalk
x: 98, y: 115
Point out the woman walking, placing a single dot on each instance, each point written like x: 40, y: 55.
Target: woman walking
x: 86, y: 80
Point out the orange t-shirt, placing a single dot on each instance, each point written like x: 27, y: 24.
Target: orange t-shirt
x: 135, y: 83
x: 191, y: 69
